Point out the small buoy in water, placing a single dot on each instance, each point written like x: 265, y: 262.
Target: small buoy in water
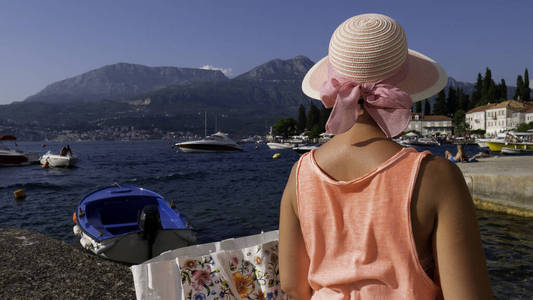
x: 44, y: 145
x: 277, y: 155
x: 256, y: 147
x: 74, y: 218
x: 19, y: 194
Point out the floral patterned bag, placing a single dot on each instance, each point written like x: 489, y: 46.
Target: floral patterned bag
x: 241, y: 268
x: 252, y: 272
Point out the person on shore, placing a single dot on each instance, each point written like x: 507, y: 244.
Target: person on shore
x: 461, y: 156
x: 361, y: 217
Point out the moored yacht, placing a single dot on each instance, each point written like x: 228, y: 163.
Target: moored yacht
x: 15, y: 157
x: 217, y: 142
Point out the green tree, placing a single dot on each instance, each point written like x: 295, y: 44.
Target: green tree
x: 476, y: 95
x: 439, y: 108
x: 313, y: 116
x: 462, y: 100
x: 519, y: 88
x: 418, y: 107
x: 503, y: 90
x: 526, y: 93
x: 284, y: 127
x: 427, y: 107
x: 488, y: 90
x: 302, y: 119
x: 451, y: 101
x: 459, y: 123
x: 324, y: 116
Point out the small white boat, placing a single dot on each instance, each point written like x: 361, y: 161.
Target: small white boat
x: 218, y: 142
x: 280, y: 146
x: 14, y: 157
x: 56, y: 160
x: 516, y: 151
x: 129, y: 224
x: 305, y: 148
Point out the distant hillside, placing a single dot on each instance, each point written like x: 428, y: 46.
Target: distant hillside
x: 277, y: 69
x: 120, y: 82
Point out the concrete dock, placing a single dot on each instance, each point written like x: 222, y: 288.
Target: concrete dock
x: 501, y: 183
x: 35, y: 266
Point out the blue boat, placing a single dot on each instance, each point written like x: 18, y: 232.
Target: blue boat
x: 130, y: 224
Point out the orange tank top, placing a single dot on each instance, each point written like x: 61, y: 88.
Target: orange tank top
x: 358, y: 233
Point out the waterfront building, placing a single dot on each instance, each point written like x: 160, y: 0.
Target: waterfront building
x: 499, y: 117
x: 475, y: 117
x: 430, y: 124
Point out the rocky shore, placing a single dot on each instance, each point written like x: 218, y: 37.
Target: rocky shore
x: 35, y: 266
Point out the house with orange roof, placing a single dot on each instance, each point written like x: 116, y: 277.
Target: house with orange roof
x: 475, y: 117
x: 499, y: 117
x: 430, y: 124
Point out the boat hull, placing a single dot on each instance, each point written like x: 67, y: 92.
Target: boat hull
x: 132, y: 248
x: 280, y: 146
x: 497, y: 146
x: 58, y: 160
x: 207, y: 148
x: 18, y: 159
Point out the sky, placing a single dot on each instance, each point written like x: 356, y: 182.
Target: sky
x: 45, y: 41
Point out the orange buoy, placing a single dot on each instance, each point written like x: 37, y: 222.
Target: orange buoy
x: 74, y: 218
x: 19, y: 194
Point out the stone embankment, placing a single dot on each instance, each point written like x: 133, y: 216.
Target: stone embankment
x: 501, y: 183
x: 34, y: 266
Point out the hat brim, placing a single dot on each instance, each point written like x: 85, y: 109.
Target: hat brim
x: 425, y: 77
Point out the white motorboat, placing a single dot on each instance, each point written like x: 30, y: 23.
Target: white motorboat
x: 280, y: 146
x: 305, y: 148
x: 516, y: 151
x: 56, y: 160
x: 217, y: 142
x: 14, y: 157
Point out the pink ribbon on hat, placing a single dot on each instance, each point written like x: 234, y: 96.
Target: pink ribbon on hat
x: 388, y: 105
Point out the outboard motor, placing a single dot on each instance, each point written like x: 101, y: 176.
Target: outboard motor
x: 149, y: 223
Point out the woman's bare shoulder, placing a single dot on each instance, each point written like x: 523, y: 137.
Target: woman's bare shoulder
x: 441, y: 179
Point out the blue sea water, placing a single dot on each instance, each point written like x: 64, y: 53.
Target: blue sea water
x: 222, y: 194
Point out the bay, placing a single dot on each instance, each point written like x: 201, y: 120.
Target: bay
x: 223, y: 195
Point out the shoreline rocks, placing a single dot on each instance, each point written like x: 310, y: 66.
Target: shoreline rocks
x: 35, y: 266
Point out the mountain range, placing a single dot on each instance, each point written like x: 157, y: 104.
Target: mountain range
x: 170, y: 98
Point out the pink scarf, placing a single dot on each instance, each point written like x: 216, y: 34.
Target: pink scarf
x: 388, y: 105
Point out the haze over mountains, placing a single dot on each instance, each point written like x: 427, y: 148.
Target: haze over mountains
x: 169, y: 98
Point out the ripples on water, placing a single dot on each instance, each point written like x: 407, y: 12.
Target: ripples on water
x: 223, y: 194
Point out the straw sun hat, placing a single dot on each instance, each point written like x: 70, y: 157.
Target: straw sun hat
x: 368, y: 58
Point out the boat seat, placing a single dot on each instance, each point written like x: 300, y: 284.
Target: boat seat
x: 121, y: 225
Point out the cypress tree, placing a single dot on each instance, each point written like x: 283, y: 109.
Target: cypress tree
x: 519, y: 87
x: 302, y: 120
x: 476, y: 95
x: 324, y: 116
x: 462, y: 100
x: 313, y: 116
x: 418, y: 107
x: 451, y: 102
x: 503, y: 90
x: 427, y: 107
x: 492, y: 93
x: 527, y: 90
x: 488, y: 88
x: 439, y: 108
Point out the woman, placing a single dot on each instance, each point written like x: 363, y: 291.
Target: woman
x: 361, y: 217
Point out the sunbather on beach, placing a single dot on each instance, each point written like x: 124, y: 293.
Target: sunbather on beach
x: 461, y: 156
